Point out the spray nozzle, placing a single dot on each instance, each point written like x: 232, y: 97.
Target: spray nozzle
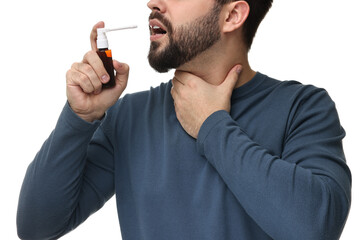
x: 102, y: 41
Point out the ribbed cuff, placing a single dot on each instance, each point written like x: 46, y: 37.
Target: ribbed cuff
x: 207, y: 126
x: 72, y: 120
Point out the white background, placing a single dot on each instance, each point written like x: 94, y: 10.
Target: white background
x: 315, y: 42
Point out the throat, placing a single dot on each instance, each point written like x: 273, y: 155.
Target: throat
x: 215, y: 75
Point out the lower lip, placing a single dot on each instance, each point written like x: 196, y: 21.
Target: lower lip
x: 156, y: 37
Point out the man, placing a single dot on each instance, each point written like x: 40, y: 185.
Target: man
x: 219, y: 152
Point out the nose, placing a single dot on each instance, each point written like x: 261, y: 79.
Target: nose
x: 156, y: 5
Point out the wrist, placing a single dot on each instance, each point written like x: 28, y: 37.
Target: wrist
x: 88, y: 116
x: 75, y: 122
x: 91, y: 118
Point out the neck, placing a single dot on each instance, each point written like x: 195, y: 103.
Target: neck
x: 213, y: 66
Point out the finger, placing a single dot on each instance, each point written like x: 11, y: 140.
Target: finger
x: 174, y: 94
x: 93, y: 59
x: 76, y: 78
x: 180, y: 76
x: 87, y: 70
x: 93, y: 34
x: 231, y: 79
x: 178, y: 81
x: 122, y: 74
x: 177, y: 85
x: 188, y: 79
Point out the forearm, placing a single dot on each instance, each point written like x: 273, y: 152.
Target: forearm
x: 288, y: 200
x: 52, y: 184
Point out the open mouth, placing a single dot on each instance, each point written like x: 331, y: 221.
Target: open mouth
x: 156, y: 28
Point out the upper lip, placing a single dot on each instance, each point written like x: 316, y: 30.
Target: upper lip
x: 156, y: 23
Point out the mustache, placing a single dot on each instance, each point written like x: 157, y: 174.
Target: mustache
x: 162, y: 19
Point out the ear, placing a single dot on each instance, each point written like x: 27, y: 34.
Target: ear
x: 236, y: 14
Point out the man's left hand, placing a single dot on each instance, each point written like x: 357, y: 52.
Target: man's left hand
x: 195, y: 100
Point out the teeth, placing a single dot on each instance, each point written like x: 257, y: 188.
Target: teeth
x: 155, y: 29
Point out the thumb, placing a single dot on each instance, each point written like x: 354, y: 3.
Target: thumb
x: 231, y: 79
x: 122, y: 74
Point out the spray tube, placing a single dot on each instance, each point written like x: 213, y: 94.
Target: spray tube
x: 105, y: 53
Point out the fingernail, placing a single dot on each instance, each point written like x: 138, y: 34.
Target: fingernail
x: 238, y: 69
x: 105, y: 78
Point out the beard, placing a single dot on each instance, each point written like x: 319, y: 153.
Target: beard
x: 185, y: 42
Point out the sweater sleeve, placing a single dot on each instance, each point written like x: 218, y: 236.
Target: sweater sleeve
x: 70, y: 178
x: 302, y: 194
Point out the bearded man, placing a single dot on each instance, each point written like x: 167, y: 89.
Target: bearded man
x: 219, y: 152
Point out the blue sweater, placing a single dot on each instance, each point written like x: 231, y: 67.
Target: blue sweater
x: 273, y: 168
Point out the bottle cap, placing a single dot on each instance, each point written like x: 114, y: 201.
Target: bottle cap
x: 101, y: 40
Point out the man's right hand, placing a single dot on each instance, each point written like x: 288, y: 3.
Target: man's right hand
x: 84, y: 83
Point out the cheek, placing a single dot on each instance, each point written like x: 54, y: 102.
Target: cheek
x: 184, y: 12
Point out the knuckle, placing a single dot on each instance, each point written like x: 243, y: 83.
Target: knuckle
x: 192, y: 83
x: 83, y: 79
x: 74, y: 65
x: 89, y: 54
x: 87, y: 87
x: 87, y: 68
x: 126, y: 67
x: 182, y: 95
x: 97, y: 85
x: 68, y: 73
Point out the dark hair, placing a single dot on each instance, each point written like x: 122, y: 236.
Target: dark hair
x: 258, y: 10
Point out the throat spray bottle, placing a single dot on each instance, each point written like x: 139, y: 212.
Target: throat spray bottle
x: 105, y: 53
